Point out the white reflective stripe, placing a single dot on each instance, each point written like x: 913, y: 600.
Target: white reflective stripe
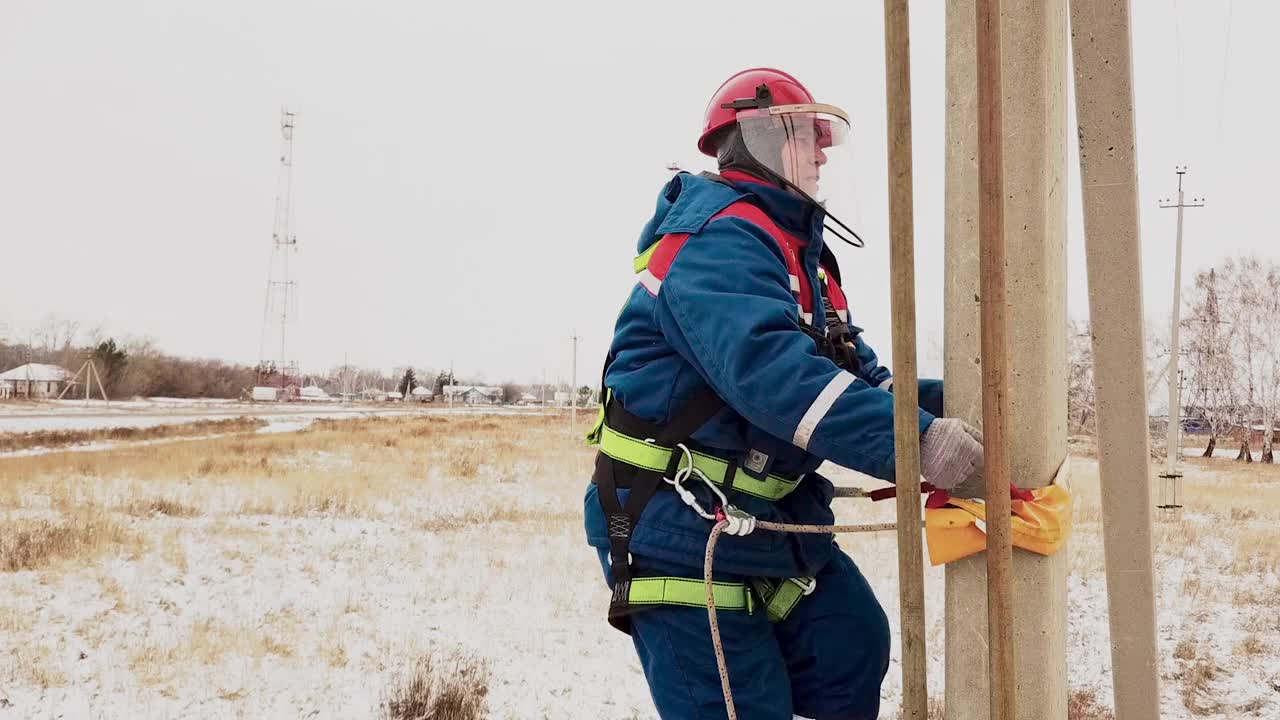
x: 650, y: 283
x: 886, y: 384
x: 843, y: 315
x: 800, y: 310
x: 820, y: 407
x: 807, y: 317
x: 795, y: 283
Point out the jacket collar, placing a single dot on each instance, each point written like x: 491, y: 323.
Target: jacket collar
x: 795, y: 214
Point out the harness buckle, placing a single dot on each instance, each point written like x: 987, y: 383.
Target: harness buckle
x: 806, y: 588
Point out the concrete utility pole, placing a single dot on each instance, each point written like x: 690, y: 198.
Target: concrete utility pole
x: 1033, y: 91
x: 1171, y: 473
x: 1101, y: 49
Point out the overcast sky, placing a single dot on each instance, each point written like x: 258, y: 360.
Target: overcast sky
x: 471, y: 177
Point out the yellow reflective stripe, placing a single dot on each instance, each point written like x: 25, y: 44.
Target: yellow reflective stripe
x: 642, y: 260
x: 655, y: 458
x: 689, y: 592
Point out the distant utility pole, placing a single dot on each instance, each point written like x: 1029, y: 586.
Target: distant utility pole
x: 573, y: 387
x: 1171, y: 473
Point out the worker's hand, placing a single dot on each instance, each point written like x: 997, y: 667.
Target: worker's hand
x: 951, y: 458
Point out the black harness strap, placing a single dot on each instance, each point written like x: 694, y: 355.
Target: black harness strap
x: 611, y: 475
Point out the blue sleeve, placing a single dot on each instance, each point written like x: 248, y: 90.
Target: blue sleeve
x: 931, y: 396
x: 876, y: 374
x: 726, y: 306
x: 930, y: 391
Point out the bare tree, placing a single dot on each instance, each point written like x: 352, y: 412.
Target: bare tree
x: 1268, y: 316
x: 1080, y: 391
x: 1248, y: 310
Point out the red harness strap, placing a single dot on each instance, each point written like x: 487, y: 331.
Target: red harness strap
x: 939, y: 498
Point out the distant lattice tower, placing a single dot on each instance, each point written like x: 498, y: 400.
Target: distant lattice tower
x: 278, y: 369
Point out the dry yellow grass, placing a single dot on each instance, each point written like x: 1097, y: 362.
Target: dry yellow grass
x: 1084, y: 705
x: 1197, y: 678
x: 33, y: 666
x: 146, y: 507
x: 13, y: 619
x: 452, y: 687
x: 291, y: 474
x: 207, y: 641
x: 27, y: 544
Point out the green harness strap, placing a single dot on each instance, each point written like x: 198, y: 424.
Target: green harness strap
x: 657, y: 458
x: 689, y: 592
x: 779, y: 597
x: 641, y: 262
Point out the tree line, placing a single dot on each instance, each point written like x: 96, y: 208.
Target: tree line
x: 1229, y: 355
x: 137, y: 368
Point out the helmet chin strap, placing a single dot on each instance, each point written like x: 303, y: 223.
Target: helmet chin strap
x: 857, y: 241
x: 735, y: 155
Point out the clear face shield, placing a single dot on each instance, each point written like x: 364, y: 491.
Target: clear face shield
x: 799, y: 143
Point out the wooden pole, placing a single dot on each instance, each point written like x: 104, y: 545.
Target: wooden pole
x: 101, y: 389
x: 994, y: 401
x: 897, y: 52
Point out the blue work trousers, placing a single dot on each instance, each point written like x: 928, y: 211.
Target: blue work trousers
x: 825, y: 661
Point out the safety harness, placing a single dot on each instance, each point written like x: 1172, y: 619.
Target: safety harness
x: 644, y: 458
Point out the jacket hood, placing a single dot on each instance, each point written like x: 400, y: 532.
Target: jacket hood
x: 685, y: 205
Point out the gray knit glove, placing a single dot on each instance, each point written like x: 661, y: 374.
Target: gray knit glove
x: 951, y: 458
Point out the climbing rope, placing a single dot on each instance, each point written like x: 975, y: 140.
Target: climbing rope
x: 725, y: 515
x: 716, y: 530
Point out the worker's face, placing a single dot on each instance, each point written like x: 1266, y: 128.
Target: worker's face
x: 794, y: 145
x: 802, y: 160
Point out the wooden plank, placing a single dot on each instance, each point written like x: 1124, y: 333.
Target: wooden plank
x: 991, y: 243
x: 897, y: 51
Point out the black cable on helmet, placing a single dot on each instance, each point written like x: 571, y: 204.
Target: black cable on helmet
x: 733, y: 153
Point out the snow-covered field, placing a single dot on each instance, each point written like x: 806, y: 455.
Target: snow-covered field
x: 82, y: 415
x: 302, y: 574
x: 1226, y: 453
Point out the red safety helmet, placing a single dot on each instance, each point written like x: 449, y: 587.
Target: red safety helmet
x: 744, y: 89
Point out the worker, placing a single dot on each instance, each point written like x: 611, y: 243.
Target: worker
x: 734, y: 371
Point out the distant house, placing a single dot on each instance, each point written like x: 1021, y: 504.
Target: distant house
x: 473, y: 394
x: 34, y: 380
x: 393, y: 395
x: 527, y: 399
x: 422, y: 393
x: 313, y: 393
